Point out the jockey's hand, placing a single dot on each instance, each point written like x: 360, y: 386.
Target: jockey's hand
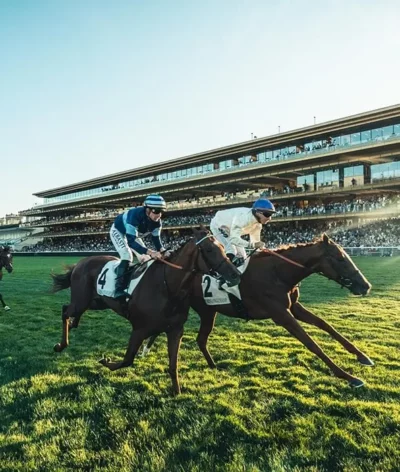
x: 154, y: 254
x: 167, y: 254
x: 259, y: 245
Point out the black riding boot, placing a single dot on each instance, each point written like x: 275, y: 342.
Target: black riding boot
x: 121, y: 280
x: 230, y: 256
x: 238, y: 261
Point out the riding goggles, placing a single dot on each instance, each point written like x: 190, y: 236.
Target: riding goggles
x: 267, y: 214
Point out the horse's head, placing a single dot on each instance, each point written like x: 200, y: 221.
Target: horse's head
x: 214, y: 257
x: 6, y: 259
x: 337, y: 265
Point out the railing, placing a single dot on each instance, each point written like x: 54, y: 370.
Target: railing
x: 380, y: 251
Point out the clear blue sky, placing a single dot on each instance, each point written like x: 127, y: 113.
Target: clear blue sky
x: 89, y: 88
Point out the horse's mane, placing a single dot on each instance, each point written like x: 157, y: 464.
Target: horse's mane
x: 287, y: 247
x: 176, y: 251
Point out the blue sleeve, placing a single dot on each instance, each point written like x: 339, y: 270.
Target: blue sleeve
x: 133, y: 244
x: 155, y: 234
x: 131, y: 227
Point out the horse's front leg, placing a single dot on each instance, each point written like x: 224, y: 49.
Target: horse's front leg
x: 283, y: 317
x: 301, y: 313
x: 206, y: 326
x: 6, y: 308
x: 174, y: 342
x: 135, y: 341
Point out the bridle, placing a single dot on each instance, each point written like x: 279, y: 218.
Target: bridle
x: 344, y: 282
x: 212, y: 269
x: 191, y: 273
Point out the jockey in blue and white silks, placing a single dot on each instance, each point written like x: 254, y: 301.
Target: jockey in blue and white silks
x: 127, y: 230
x: 229, y: 225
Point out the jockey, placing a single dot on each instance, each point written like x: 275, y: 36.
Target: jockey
x: 229, y: 225
x: 125, y: 232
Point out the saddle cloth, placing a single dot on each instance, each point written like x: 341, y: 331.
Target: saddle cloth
x: 106, y: 280
x: 216, y: 294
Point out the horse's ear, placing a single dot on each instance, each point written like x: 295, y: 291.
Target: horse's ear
x: 325, y: 238
x: 203, y: 228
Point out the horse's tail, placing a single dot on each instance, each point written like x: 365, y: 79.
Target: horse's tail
x: 62, y: 281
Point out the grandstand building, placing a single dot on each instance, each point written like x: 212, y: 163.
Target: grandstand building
x: 340, y: 173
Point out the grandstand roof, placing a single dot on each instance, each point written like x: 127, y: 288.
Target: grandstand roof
x: 359, y: 121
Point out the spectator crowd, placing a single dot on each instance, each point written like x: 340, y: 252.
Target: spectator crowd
x: 381, y: 233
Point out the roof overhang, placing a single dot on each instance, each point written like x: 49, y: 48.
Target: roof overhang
x: 380, y: 116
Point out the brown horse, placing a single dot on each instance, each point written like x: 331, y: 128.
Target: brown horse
x: 269, y: 289
x: 6, y: 261
x: 159, y: 304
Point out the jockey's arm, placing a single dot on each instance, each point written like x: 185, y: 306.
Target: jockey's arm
x: 131, y: 235
x: 236, y: 232
x: 155, y: 235
x: 255, y: 235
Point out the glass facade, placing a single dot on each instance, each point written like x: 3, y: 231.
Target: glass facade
x: 265, y: 156
x: 354, y: 171
x: 389, y: 170
x: 328, y: 178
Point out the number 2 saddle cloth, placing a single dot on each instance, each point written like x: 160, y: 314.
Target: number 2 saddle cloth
x: 215, y: 293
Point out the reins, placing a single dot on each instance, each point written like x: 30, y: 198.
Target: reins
x: 175, y: 266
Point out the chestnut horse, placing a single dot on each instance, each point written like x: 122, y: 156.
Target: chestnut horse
x: 6, y: 259
x: 269, y: 289
x: 160, y: 303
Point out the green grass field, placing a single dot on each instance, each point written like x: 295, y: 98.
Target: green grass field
x: 272, y: 405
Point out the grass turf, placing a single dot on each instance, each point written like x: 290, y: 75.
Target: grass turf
x: 271, y: 405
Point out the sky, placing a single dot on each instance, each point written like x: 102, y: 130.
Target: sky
x: 89, y: 88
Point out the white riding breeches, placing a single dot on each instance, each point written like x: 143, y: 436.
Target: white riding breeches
x: 222, y: 235
x: 121, y: 246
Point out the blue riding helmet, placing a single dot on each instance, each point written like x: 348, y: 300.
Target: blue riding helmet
x: 263, y: 205
x: 155, y: 201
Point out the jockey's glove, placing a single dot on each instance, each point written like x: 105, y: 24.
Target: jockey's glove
x: 258, y: 245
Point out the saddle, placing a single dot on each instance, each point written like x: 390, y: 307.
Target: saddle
x: 135, y: 270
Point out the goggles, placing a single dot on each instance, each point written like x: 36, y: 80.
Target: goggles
x: 157, y: 211
x: 267, y: 214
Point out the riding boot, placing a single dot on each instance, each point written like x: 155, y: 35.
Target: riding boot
x: 230, y: 256
x: 238, y: 261
x: 121, y: 279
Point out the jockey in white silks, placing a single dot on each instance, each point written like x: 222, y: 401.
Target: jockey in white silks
x: 229, y: 225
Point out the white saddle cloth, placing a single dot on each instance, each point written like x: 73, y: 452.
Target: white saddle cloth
x: 107, y: 279
x: 213, y: 294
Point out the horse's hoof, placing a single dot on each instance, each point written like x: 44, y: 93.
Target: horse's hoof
x: 58, y: 347
x: 6, y: 308
x: 105, y: 361
x: 356, y: 383
x: 366, y: 361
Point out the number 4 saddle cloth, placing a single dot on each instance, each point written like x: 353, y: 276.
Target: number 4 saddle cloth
x: 106, y: 280
x: 215, y: 293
